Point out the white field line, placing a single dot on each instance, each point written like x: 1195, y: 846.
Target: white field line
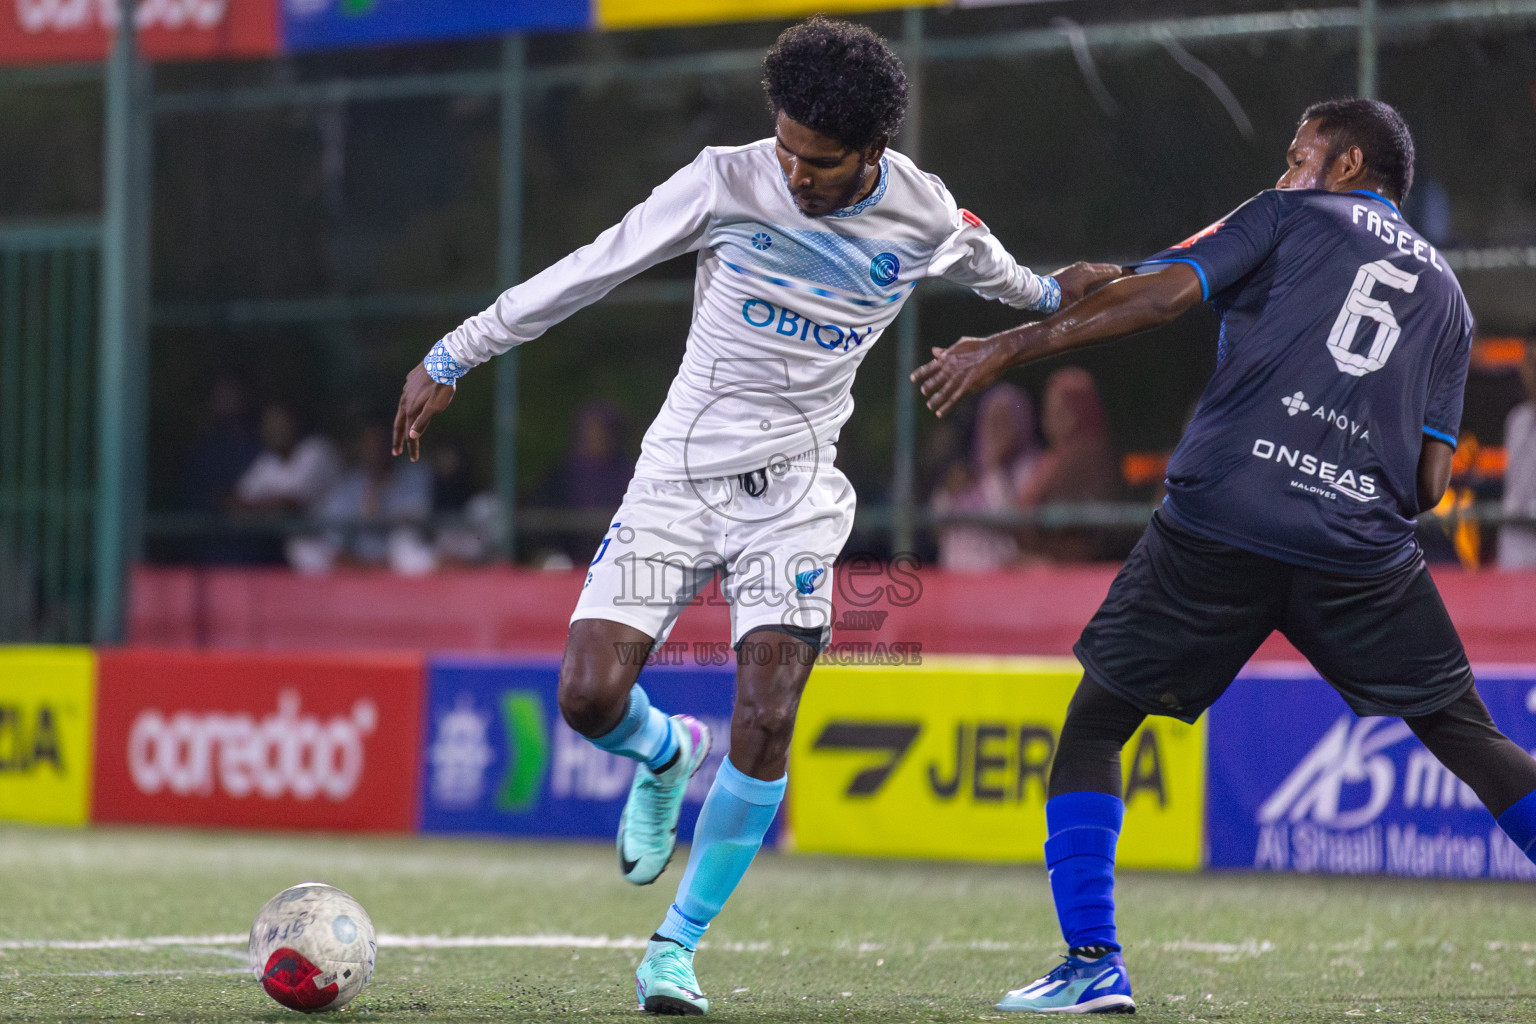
x: 386, y: 941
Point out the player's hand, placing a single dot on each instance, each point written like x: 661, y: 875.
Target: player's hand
x: 1080, y: 278
x: 966, y: 367
x: 421, y: 399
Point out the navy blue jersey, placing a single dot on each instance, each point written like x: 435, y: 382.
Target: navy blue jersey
x: 1344, y: 343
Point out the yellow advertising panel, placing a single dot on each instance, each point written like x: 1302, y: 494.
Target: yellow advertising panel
x: 950, y: 758
x: 47, y: 725
x: 617, y: 14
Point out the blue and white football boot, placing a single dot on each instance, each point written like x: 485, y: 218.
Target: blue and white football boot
x: 648, y: 826
x: 1077, y: 986
x: 665, y: 982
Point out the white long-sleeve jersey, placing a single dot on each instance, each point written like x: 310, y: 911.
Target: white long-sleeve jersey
x: 785, y: 306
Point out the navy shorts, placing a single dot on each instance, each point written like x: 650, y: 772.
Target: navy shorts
x: 1187, y: 612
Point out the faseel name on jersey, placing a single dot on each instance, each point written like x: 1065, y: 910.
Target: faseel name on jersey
x: 1359, y: 486
x: 1397, y: 237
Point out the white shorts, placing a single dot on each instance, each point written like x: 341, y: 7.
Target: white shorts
x: 773, y: 552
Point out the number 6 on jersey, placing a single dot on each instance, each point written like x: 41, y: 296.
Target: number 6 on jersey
x: 1358, y: 304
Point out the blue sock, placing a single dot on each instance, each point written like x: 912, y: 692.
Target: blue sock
x: 1083, y: 829
x: 643, y: 734
x: 1519, y: 823
x: 731, y: 827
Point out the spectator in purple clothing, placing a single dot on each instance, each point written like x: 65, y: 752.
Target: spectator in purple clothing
x: 1004, y: 454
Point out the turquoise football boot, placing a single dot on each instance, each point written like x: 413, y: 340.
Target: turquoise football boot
x: 1077, y: 986
x: 648, y: 826
x: 665, y: 983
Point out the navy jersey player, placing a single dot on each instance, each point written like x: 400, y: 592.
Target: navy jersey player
x: 1328, y: 425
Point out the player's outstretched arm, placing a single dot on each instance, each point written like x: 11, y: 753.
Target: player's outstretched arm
x: 1081, y: 278
x: 421, y: 399
x: 1122, y: 307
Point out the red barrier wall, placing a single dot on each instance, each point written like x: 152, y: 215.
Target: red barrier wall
x: 1028, y: 611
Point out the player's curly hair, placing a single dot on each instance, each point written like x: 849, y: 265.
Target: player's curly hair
x: 1379, y: 131
x: 837, y: 78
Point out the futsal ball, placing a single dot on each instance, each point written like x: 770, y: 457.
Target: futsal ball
x: 312, y: 947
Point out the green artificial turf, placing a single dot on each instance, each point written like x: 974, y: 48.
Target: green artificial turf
x: 806, y: 938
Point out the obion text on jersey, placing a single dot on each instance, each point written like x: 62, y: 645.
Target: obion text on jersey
x: 765, y: 316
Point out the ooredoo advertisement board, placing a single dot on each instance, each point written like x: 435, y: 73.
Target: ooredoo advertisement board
x: 43, y: 31
x: 258, y: 740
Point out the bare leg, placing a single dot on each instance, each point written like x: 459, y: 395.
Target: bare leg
x: 772, y: 669
x: 594, y: 680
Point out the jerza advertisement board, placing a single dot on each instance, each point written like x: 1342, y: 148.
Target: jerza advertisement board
x: 623, y: 14
x: 47, y: 698
x: 499, y: 758
x: 951, y: 760
x: 1298, y: 783
x: 258, y: 740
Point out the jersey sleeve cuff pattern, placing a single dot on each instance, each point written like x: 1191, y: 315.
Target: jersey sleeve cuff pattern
x: 1050, y: 298
x: 441, y: 366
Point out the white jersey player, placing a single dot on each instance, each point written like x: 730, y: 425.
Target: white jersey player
x: 808, y: 245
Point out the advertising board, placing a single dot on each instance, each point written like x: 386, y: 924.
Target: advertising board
x: 499, y: 758
x: 318, y: 24
x: 258, y: 740
x: 621, y: 14
x: 44, y: 31
x: 1298, y: 783
x: 950, y: 759
x: 47, y: 712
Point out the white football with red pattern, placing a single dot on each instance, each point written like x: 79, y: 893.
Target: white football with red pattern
x: 313, y: 947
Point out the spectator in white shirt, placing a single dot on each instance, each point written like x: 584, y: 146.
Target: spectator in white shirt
x: 1517, y: 544
x: 290, y: 476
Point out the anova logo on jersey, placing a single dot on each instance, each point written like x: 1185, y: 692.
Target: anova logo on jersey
x: 285, y: 753
x: 1296, y: 404
x: 1359, y: 486
x: 1349, y: 753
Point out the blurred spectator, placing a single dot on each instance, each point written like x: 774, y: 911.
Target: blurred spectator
x: 594, y: 474
x: 378, y: 512
x: 222, y: 453
x: 218, y: 458
x: 1003, y: 456
x: 1078, y: 464
x: 596, y: 470
x: 291, y: 475
x: 1517, y: 544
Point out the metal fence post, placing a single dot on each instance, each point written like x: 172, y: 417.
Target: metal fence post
x: 1369, y: 45
x: 508, y: 272
x: 905, y: 441
x: 121, y: 374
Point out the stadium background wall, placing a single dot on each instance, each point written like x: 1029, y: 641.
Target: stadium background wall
x: 945, y: 759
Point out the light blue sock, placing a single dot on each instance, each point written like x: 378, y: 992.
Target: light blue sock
x: 643, y: 734
x: 1519, y: 823
x: 1080, y: 853
x: 736, y: 816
